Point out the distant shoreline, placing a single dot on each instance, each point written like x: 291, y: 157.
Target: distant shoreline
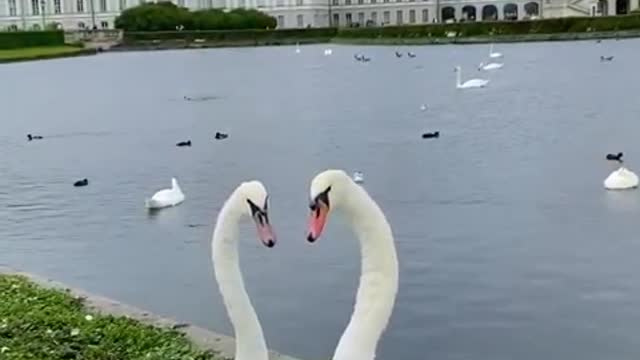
x: 43, y: 53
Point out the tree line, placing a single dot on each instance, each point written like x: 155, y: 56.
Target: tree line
x: 166, y: 16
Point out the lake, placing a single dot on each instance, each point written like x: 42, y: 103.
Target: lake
x: 509, y: 246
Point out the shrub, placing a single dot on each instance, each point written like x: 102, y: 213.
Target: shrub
x: 25, y: 39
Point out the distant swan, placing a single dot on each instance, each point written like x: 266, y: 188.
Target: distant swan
x: 167, y: 197
x: 248, y: 200
x: 328, y: 52
x: 398, y: 55
x: 490, y: 66
x: 375, y: 299
x: 297, y: 48
x: 621, y: 179
x: 469, y: 84
x: 494, y: 54
x: 358, y: 177
x: 411, y: 55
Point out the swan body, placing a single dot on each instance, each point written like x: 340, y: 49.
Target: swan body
x: 469, y: 84
x: 297, y: 48
x: 490, y: 66
x: 494, y: 55
x: 621, y: 179
x: 328, y: 52
x: 248, y: 200
x: 334, y: 189
x: 167, y: 197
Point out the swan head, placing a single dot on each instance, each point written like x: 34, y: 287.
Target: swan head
x: 256, y: 205
x: 327, y: 192
x: 456, y: 69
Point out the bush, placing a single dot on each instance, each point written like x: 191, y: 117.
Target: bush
x: 483, y: 28
x: 165, y: 16
x: 256, y: 36
x: 25, y: 39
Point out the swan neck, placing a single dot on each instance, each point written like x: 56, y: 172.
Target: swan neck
x: 250, y: 342
x: 459, y: 77
x: 378, y: 280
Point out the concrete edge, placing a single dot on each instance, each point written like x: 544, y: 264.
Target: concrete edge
x: 207, y: 340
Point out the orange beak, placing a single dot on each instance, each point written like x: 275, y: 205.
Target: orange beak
x: 317, y: 220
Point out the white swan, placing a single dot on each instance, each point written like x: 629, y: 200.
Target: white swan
x: 621, y: 179
x: 328, y: 52
x: 297, y: 48
x: 249, y: 199
x: 358, y: 177
x: 490, y: 66
x: 333, y: 190
x: 469, y: 84
x: 166, y: 197
x: 494, y: 54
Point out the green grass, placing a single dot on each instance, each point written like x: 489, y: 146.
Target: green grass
x: 38, y: 324
x: 38, y: 52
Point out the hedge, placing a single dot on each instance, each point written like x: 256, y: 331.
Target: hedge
x: 480, y: 28
x: 25, y: 39
x: 234, y: 35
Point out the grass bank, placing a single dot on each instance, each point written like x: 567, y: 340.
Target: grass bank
x: 42, y: 52
x: 40, y: 323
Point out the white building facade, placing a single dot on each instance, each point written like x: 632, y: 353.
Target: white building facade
x: 101, y: 14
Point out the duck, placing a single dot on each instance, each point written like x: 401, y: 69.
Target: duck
x: 184, y: 143
x: 433, y: 135
x: 411, y: 55
x: 34, y: 137
x: 398, y: 55
x: 166, y: 197
x: 81, y: 183
x: 606, y: 58
x: 221, y: 136
x: 615, y: 157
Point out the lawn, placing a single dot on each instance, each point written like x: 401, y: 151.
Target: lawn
x: 38, y: 323
x: 38, y: 52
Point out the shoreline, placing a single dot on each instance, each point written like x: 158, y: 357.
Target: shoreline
x: 50, y: 56
x: 176, y: 44
x: 204, y: 339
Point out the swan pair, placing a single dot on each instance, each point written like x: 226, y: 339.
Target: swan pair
x: 330, y: 190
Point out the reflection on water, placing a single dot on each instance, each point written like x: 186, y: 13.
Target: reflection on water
x: 510, y: 248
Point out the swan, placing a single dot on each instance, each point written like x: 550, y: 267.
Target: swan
x: 423, y: 107
x: 328, y: 52
x: 490, y: 66
x: 248, y: 199
x: 621, y: 179
x: 358, y: 177
x: 297, y: 48
x: 473, y: 83
x: 166, y: 197
x: 494, y: 54
x: 334, y: 190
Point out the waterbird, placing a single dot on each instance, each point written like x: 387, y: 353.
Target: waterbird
x: 615, y: 157
x: 184, y: 143
x: 166, y: 197
x: 221, y: 136
x: 431, y: 135
x: 80, y: 183
x: 34, y: 137
x: 469, y: 84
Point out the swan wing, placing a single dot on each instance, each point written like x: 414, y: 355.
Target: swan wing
x: 621, y: 179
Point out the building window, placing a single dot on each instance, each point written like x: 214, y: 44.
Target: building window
x: 13, y: 10
x: 374, y: 17
x: 35, y: 27
x: 361, y: 19
x: 347, y: 2
x: 385, y: 1
x: 81, y: 25
x: 280, y: 3
x: 35, y: 7
x: 349, y: 20
x: 399, y: 17
x: 80, y: 7
x: 386, y: 17
x: 13, y: 27
x: 425, y: 15
x: 336, y: 20
x: 57, y: 7
x: 373, y: 1
x: 141, y: 2
x: 412, y: 16
x: 103, y: 5
x: 181, y: 3
x: 300, y: 20
x: 360, y: 2
x: 209, y: 4
x: 104, y: 24
x: 122, y: 4
x: 281, y: 21
x: 299, y: 2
